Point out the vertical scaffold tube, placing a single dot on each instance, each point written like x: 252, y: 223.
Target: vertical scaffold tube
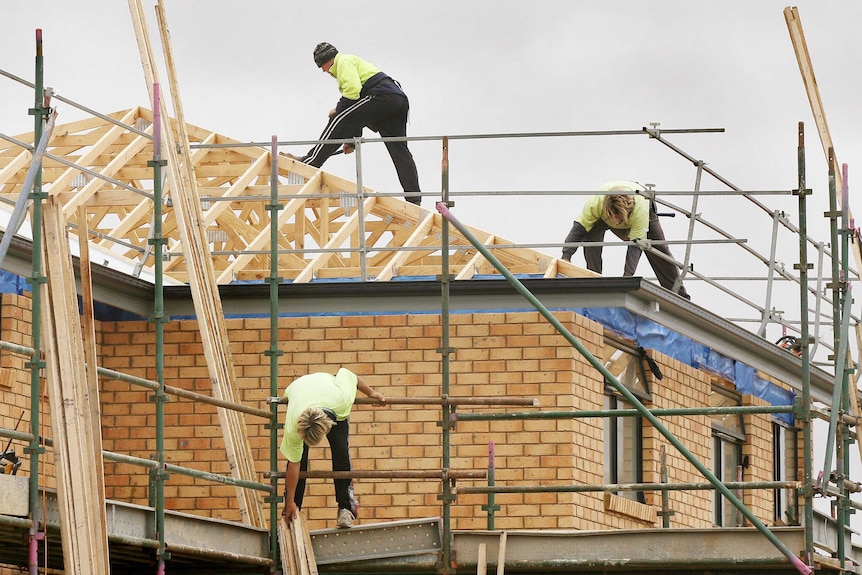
x: 445, y: 352
x: 804, y: 266
x: 160, y: 397
x: 37, y: 279
x: 273, y: 352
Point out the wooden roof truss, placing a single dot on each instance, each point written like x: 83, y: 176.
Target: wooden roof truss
x: 324, y: 232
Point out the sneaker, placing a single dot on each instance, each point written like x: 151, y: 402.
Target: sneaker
x: 296, y: 158
x: 345, y: 519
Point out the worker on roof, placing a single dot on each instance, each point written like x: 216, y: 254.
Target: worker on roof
x: 318, y: 406
x: 630, y: 217
x: 369, y: 98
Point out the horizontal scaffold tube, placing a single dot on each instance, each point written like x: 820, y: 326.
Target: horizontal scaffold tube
x: 116, y: 375
x: 149, y: 463
x: 387, y: 474
x: 626, y: 487
x: 660, y: 412
x: 441, y: 400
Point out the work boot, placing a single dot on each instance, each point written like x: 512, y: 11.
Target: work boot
x: 345, y: 519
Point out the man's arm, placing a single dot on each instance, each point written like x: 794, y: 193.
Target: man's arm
x: 291, y: 479
x: 633, y: 256
x: 367, y: 390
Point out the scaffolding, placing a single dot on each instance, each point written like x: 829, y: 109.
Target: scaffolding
x: 841, y: 413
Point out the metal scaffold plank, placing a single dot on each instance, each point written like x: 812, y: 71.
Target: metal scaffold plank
x: 376, y: 541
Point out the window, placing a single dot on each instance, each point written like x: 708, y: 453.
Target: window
x: 784, y: 469
x: 623, y: 448
x: 624, y: 435
x: 728, y: 435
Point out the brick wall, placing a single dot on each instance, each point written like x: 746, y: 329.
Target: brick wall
x: 758, y: 449
x: 495, y: 355
x: 15, y: 327
x: 681, y: 386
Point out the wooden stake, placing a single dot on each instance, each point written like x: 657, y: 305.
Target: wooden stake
x: 482, y: 560
x: 501, y: 554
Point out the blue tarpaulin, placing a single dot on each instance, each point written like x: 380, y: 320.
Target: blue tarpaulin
x: 12, y: 283
x: 651, y: 335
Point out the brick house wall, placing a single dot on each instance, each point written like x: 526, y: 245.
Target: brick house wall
x: 16, y: 328
x: 495, y: 354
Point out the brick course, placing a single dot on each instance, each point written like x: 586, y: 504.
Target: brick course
x: 495, y: 355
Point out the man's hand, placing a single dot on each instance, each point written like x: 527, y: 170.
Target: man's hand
x: 290, y: 510
x: 378, y: 398
x: 348, y: 148
x: 332, y: 112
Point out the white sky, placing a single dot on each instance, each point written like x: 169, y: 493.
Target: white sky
x: 490, y: 66
x: 479, y: 67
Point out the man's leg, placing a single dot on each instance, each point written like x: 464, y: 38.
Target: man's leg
x: 394, y: 125
x: 346, y: 124
x: 665, y: 272
x: 340, y: 449
x: 593, y: 254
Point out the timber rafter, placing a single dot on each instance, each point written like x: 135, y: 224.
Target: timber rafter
x: 103, y: 167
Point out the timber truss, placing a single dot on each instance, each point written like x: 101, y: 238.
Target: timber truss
x: 326, y: 229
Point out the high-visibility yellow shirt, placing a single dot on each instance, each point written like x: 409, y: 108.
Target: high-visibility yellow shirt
x: 637, y: 223
x: 351, y: 72
x: 335, y: 392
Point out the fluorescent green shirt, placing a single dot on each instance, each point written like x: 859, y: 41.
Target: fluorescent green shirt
x: 351, y: 72
x: 336, y: 392
x: 637, y: 223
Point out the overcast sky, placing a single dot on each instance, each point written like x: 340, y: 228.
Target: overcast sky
x: 481, y: 67
x: 490, y: 66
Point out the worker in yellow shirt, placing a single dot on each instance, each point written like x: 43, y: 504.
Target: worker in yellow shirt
x: 369, y: 98
x: 318, y: 406
x: 630, y: 217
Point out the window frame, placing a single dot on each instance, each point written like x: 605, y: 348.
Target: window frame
x: 628, y: 429
x: 726, y: 440
x: 785, y: 446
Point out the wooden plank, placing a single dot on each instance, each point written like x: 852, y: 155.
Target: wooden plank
x: 297, y: 553
x: 205, y: 295
x: 304, y: 554
x: 482, y: 559
x: 309, y: 548
x: 88, y: 334
x: 501, y: 553
x: 77, y: 447
x: 285, y: 545
x: 208, y: 307
x: 803, y: 58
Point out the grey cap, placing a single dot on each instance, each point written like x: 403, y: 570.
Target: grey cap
x: 323, y: 53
